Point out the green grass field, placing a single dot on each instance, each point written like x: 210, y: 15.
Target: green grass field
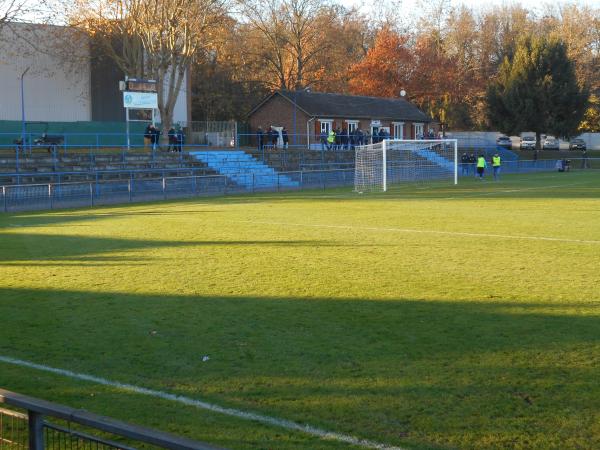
x: 430, y: 317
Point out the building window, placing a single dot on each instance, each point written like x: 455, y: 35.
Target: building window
x: 419, y: 133
x: 325, y: 126
x: 398, y: 130
x: 352, y: 126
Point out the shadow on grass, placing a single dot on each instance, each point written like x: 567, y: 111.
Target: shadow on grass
x: 427, y: 374
x: 33, y: 219
x: 86, y: 248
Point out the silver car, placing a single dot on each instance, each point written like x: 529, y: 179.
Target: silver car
x: 550, y: 143
x: 527, y: 143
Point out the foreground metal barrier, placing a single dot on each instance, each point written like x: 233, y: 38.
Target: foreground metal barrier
x: 28, y: 197
x: 33, y: 431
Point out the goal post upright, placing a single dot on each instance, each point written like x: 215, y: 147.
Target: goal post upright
x: 384, y: 162
x: 455, y: 142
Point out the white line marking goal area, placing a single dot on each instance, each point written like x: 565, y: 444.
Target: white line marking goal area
x: 200, y: 404
x: 434, y: 232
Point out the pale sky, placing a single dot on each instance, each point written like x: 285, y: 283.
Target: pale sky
x: 475, y: 4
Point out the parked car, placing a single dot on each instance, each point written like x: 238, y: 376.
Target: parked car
x: 527, y: 143
x: 550, y: 143
x: 504, y: 141
x: 577, y: 144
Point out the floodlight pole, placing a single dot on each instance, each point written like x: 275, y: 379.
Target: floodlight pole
x: 127, y: 120
x: 23, y: 131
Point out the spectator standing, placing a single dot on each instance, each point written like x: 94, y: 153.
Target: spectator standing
x: 481, y: 165
x: 274, y: 137
x: 472, y: 163
x: 180, y: 139
x: 464, y: 164
x: 285, y: 138
x: 260, y: 138
x: 585, y: 162
x: 148, y: 136
x: 338, y: 139
x: 331, y: 140
x: 155, y: 133
x: 172, y: 140
x: 269, y: 138
x: 375, y: 137
x: 496, y: 163
x: 360, y: 137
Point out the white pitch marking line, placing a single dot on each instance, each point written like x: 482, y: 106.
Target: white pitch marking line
x: 282, y: 423
x: 410, y: 230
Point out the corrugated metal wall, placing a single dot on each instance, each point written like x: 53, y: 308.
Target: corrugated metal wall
x: 107, y: 100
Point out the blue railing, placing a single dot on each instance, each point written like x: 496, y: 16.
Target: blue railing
x: 100, y: 191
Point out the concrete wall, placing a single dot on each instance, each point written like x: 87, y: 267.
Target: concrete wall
x: 54, y: 90
x: 62, y: 85
x: 180, y: 111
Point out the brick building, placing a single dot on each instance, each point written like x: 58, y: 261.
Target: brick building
x: 309, y: 115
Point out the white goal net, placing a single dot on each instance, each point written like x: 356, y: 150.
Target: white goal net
x: 395, y: 161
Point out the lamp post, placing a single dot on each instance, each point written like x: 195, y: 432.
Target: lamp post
x: 295, y: 100
x: 22, y: 118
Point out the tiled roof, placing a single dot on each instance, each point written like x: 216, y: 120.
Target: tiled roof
x: 319, y: 104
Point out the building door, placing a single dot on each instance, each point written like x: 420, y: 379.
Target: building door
x: 398, y: 130
x: 419, y: 132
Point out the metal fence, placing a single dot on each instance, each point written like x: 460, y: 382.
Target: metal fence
x: 13, y: 429
x: 55, y: 195
x: 36, y: 424
x: 62, y: 177
x: 25, y: 197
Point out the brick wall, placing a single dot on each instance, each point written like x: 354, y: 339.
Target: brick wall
x: 279, y: 112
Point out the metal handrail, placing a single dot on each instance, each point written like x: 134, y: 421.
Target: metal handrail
x: 38, y: 408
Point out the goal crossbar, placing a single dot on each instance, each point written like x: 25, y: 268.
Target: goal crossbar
x: 397, y: 160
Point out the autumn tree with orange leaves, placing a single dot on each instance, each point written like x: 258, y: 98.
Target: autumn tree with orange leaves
x: 386, y: 69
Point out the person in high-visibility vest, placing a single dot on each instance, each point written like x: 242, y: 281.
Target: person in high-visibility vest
x: 481, y: 165
x: 496, y: 166
x: 330, y: 140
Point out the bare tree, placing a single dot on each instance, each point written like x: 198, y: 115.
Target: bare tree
x: 291, y: 35
x: 152, y: 38
x: 11, y: 10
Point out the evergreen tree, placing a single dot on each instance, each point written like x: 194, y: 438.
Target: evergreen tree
x: 537, y: 90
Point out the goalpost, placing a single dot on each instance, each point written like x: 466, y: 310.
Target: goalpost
x: 395, y: 161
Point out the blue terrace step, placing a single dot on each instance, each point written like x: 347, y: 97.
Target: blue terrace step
x: 244, y: 170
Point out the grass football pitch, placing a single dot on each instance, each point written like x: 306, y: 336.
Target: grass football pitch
x: 428, y: 317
